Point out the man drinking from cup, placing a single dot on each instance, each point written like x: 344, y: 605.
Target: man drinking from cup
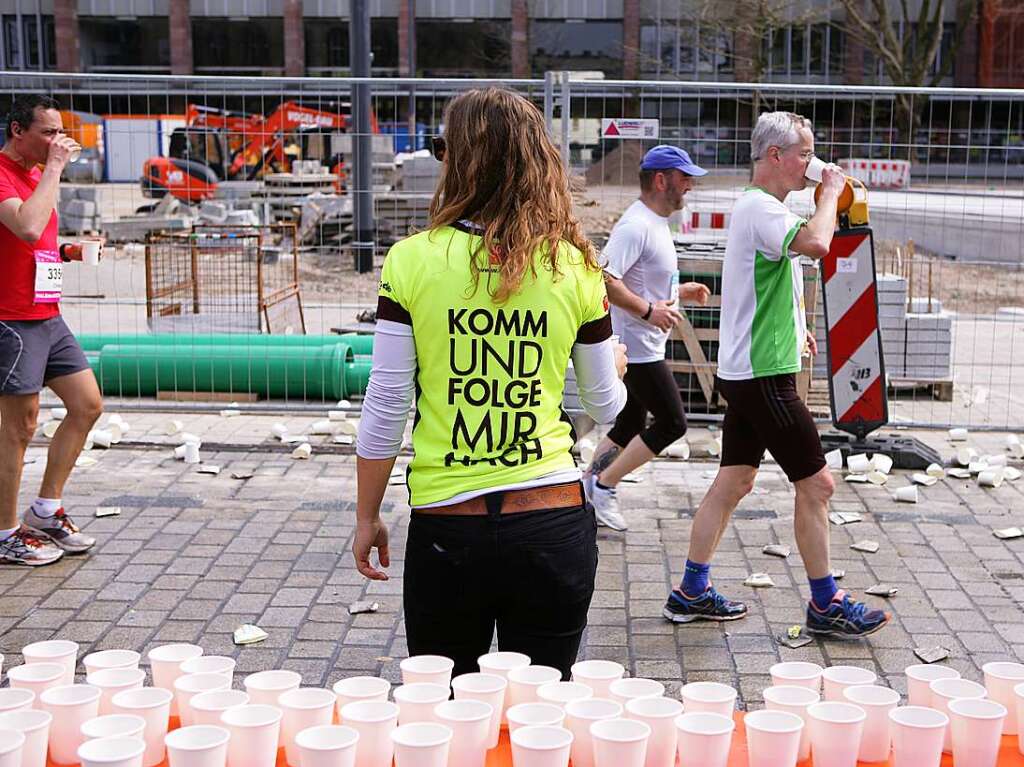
x: 36, y: 346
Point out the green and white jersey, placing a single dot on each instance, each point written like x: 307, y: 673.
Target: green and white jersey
x: 763, y: 324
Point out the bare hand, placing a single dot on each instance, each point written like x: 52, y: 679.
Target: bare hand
x: 812, y: 345
x: 665, y: 316
x: 61, y: 149
x: 371, y: 535
x: 620, y: 359
x: 832, y: 180
x: 694, y: 293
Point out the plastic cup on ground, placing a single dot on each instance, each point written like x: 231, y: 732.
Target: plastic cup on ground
x: 838, y: 678
x: 541, y: 747
x: 112, y: 752
x: 166, y: 661
x: 36, y: 677
x: 858, y: 463
x: 499, y: 664
x: 303, y: 708
x: 70, y: 707
x: 265, y: 687
x: 704, y: 739
x: 794, y: 700
x: 946, y: 690
x: 35, y: 726
x: 373, y: 720
x: 208, y: 706
x: 1001, y: 678
x: 327, y: 746
x: 713, y: 697
x: 598, y: 675
x: 434, y: 669
x: 524, y: 682
x: 773, y: 738
x: 561, y: 693
x: 11, y: 744
x: 920, y: 676
x: 154, y: 705
x: 360, y: 688
x: 416, y: 702
x: 197, y: 746
x: 796, y: 674
x: 623, y: 690
x: 96, y: 661
x: 977, y: 726
x: 210, y: 664
x: 91, y: 247
x: 660, y: 715
x: 59, y: 651
x: 421, y: 744
x: 917, y: 734
x: 535, y: 715
x: 16, y: 699
x: 489, y: 689
x: 255, y: 732
x: 876, y: 702
x: 579, y: 715
x: 836, y: 730
x: 619, y: 742
x: 187, y: 686
x: 113, y: 726
x: 470, y: 723
x: 111, y: 681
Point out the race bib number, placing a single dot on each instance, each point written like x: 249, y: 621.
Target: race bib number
x: 49, y: 276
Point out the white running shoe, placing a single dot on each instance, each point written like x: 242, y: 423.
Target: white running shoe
x: 606, y: 505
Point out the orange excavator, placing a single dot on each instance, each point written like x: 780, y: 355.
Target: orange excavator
x: 219, y: 145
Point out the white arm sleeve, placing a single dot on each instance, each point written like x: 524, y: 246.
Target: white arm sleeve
x: 601, y: 392
x: 389, y: 393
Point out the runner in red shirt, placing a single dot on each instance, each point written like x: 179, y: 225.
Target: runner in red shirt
x: 36, y: 347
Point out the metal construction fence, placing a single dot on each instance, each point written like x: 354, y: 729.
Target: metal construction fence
x: 269, y: 162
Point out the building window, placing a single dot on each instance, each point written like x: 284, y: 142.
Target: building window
x: 34, y: 47
x: 483, y: 47
x: 110, y: 44
x: 570, y: 45
x: 327, y: 47
x: 226, y: 45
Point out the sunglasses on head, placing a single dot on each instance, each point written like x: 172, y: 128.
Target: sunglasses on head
x: 437, y: 147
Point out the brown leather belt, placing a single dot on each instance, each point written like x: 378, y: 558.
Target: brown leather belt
x: 516, y: 501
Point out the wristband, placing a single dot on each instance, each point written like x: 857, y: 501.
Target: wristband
x: 63, y: 255
x: 650, y: 308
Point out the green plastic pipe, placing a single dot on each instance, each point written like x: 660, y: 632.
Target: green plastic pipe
x: 357, y: 375
x: 360, y: 344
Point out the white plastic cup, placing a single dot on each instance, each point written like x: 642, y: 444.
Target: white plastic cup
x: 1000, y: 679
x: 917, y: 734
x: 303, y: 708
x: 535, y: 714
x: 794, y: 700
x: 373, y: 720
x: 154, y: 705
x: 858, y: 463
x: 907, y: 494
x: 660, y: 715
x: 16, y: 699
x: 265, y: 687
x: 499, y: 664
x: 561, y: 693
x: 91, y: 247
x: 877, y: 702
x: 627, y: 689
x: 713, y: 697
x: 36, y: 677
x: 470, y: 723
x: 96, y: 661
x: 70, y: 706
x: 920, y: 676
x: 102, y: 438
x: 35, y: 726
x: 489, y: 689
x: 541, y: 747
x: 326, y: 746
x: 11, y: 744
x: 114, y: 726
x: 836, y: 730
x: 197, y: 746
x: 796, y: 673
x: 977, y: 726
x: 208, y: 706
x: 958, y: 434
x: 166, y: 661
x: 59, y: 651
x: 704, y: 739
x: 360, y: 688
x: 773, y: 738
x: 946, y: 690
x: 579, y: 715
x: 524, y: 682
x: 187, y: 686
x: 192, y: 453
x: 110, y: 681
x: 815, y: 169
x: 433, y: 669
x: 598, y: 675
x: 111, y: 752
x: 416, y: 702
x: 838, y: 678
x: 620, y: 742
x: 255, y: 732
x: 421, y: 744
x: 211, y: 664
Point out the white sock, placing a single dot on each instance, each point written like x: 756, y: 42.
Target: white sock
x: 5, y: 534
x: 45, y: 507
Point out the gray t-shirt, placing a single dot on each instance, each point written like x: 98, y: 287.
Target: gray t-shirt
x: 641, y: 253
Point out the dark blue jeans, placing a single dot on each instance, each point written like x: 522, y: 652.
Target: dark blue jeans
x: 530, y: 574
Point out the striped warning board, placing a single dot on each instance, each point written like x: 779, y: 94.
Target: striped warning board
x: 705, y: 219
x: 855, y: 362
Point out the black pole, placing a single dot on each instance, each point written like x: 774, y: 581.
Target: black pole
x: 362, y: 176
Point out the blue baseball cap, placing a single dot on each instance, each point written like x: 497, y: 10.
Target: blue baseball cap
x: 667, y: 157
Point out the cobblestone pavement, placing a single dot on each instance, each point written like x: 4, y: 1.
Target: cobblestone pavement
x: 193, y: 556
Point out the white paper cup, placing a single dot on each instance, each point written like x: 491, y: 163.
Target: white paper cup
x: 946, y: 690
x: 794, y: 700
x: 838, y: 678
x: 991, y: 477
x: 814, y: 169
x: 59, y: 651
x: 917, y: 734
x: 327, y: 746
x: 796, y: 674
x: 210, y: 664
x: 713, y: 697
x: 91, y: 247
x: 965, y: 455
x: 102, y: 438
x: 920, y: 676
x: 166, y: 661
x: 373, y: 720
x: 187, y: 686
x: 192, y: 453
x: 303, y: 708
x: 35, y: 726
x: 541, y: 747
x: 16, y: 699
x: 620, y: 742
x: 421, y: 744
x: 71, y: 706
x: 877, y: 702
x: 416, y: 702
x: 265, y: 687
x: 881, y: 462
x: 561, y: 693
x: 114, y: 726
x: 773, y: 738
x: 598, y: 675
x: 858, y: 463
x: 11, y: 743
x: 704, y: 739
x: 906, y: 494
x: 834, y: 460
x: 470, y: 723
x: 50, y: 429
x: 579, y: 715
x: 36, y: 677
x: 433, y: 669
x: 110, y: 681
x: 1018, y: 694
x: 97, y: 661
x: 977, y: 726
x: 626, y: 689
x: 499, y: 664
x: 154, y: 705
x: 524, y: 682
x: 1000, y: 680
x: 660, y: 715
x: 197, y: 746
x: 489, y: 689
x: 112, y: 752
x: 958, y: 434
x: 357, y: 688
x: 836, y: 730
x: 535, y: 715
x: 208, y: 706
x: 255, y: 733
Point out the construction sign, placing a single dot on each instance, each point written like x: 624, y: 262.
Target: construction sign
x: 622, y: 127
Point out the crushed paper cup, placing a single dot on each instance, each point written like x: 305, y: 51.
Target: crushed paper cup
x: 343, y: 439
x: 991, y: 477
x: 881, y: 462
x: 117, y: 431
x: 102, y: 438
x: 965, y: 455
x: 303, y: 451
x: 906, y: 494
x: 108, y: 511
x: 976, y: 467
x: 994, y: 460
x: 191, y: 452
x: 172, y: 427
x: 834, y: 459
x: 336, y: 415
x: 351, y: 427
x: 230, y: 412
x: 50, y: 428
x: 959, y: 473
x: 60, y: 413
x: 1014, y: 446
x: 294, y: 439
x: 279, y: 430
x: 877, y: 478
x: 934, y: 470
x: 858, y: 463
x: 586, y: 450
x: 323, y: 426
x: 88, y: 440
x: 714, y: 447
x: 679, y: 449
x: 249, y: 633
x: 1011, y: 473
x: 85, y: 460
x: 759, y: 581
x: 958, y: 435
x: 208, y: 468
x: 859, y: 478
x: 179, y: 452
x: 923, y: 479
x: 116, y: 418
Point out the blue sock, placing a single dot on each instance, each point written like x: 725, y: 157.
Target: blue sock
x: 822, y: 590
x: 695, y: 579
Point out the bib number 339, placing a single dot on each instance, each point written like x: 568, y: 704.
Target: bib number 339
x: 49, y: 276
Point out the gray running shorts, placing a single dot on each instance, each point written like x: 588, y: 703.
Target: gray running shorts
x: 34, y: 352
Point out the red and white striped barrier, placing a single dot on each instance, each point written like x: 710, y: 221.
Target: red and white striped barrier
x: 703, y: 219
x: 878, y: 174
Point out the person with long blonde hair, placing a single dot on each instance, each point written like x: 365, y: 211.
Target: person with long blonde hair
x: 478, y: 317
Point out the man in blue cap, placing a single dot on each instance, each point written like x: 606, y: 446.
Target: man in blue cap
x: 642, y: 277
